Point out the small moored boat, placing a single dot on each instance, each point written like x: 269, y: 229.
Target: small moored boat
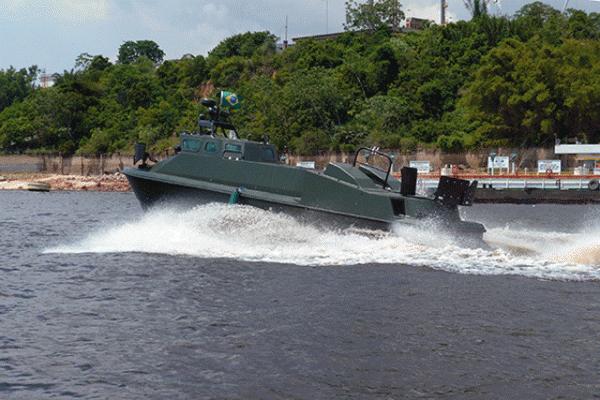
x: 37, y: 187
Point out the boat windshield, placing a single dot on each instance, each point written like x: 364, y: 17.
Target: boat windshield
x: 373, y: 159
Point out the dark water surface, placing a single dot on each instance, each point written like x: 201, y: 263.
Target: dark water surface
x: 124, y: 325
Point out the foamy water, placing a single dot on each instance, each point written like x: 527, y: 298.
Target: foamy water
x: 250, y: 234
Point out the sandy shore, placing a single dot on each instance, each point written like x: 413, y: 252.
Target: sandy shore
x: 101, y: 183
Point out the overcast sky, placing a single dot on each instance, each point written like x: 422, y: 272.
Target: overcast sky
x: 52, y: 33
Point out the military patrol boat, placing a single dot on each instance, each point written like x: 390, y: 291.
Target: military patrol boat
x: 215, y: 165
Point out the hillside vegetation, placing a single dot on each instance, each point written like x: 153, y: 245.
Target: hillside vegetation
x: 520, y: 81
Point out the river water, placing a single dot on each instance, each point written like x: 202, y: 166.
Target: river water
x: 101, y: 301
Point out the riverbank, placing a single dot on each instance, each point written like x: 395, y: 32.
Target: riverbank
x: 116, y: 182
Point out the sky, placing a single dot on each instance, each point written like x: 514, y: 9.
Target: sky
x: 52, y: 33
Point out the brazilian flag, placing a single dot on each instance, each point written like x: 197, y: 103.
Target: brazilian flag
x: 230, y: 100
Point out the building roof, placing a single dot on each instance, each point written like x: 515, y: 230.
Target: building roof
x: 335, y: 35
x: 326, y: 36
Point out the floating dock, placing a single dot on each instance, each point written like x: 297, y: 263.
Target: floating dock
x: 530, y: 189
x: 537, y: 196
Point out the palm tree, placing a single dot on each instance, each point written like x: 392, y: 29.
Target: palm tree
x: 478, y: 7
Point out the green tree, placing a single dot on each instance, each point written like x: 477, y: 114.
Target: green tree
x: 229, y: 71
x: 246, y: 45
x: 583, y: 26
x: 520, y: 80
x: 131, y: 51
x: 537, y: 13
x: 16, y: 85
x: 374, y: 15
x: 86, y: 61
x: 531, y: 93
x: 477, y: 8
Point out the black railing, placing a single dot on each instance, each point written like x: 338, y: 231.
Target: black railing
x: 375, y: 151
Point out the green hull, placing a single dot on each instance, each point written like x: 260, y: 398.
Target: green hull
x: 343, y: 195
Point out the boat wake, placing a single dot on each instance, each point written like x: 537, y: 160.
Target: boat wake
x: 250, y: 234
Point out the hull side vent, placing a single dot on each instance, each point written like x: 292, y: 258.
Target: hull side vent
x: 398, y: 206
x: 409, y: 181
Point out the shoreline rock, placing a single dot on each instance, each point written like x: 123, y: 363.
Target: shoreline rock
x: 98, y: 183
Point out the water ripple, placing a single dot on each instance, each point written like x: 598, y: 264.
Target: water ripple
x: 180, y: 305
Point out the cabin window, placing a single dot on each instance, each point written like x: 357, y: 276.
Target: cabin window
x: 234, y: 148
x: 210, y: 147
x: 232, y: 151
x: 190, y: 145
x: 268, y: 154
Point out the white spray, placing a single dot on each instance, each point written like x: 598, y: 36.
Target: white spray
x: 250, y: 234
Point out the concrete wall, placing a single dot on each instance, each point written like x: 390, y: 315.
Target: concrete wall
x: 77, y: 165
x: 96, y: 165
x: 473, y: 160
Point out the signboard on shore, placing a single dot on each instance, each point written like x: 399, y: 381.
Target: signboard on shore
x: 500, y: 162
x: 423, y: 167
x: 306, y: 164
x: 549, y: 165
x: 577, y: 149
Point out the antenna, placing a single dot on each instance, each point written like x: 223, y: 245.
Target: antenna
x: 285, y: 42
x: 327, y: 16
x: 444, y: 6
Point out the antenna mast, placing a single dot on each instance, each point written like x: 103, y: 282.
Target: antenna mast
x: 285, y: 42
x: 327, y: 16
x: 444, y: 6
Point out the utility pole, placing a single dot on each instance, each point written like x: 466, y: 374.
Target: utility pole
x: 327, y: 16
x: 444, y: 6
x: 285, y: 41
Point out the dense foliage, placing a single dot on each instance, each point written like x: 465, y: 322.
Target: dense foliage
x: 373, y: 15
x: 132, y: 51
x: 491, y: 81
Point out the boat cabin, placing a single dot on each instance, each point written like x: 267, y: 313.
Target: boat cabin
x: 231, y: 149
x: 219, y: 138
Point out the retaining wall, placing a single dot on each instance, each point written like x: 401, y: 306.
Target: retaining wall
x: 77, y: 165
x: 473, y: 160
x: 96, y: 165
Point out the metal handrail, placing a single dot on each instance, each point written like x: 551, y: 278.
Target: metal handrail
x: 213, y: 126
x: 374, y: 151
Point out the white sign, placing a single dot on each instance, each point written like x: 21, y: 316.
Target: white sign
x: 500, y: 162
x: 306, y: 164
x: 549, y: 165
x: 423, y: 167
x: 577, y: 149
